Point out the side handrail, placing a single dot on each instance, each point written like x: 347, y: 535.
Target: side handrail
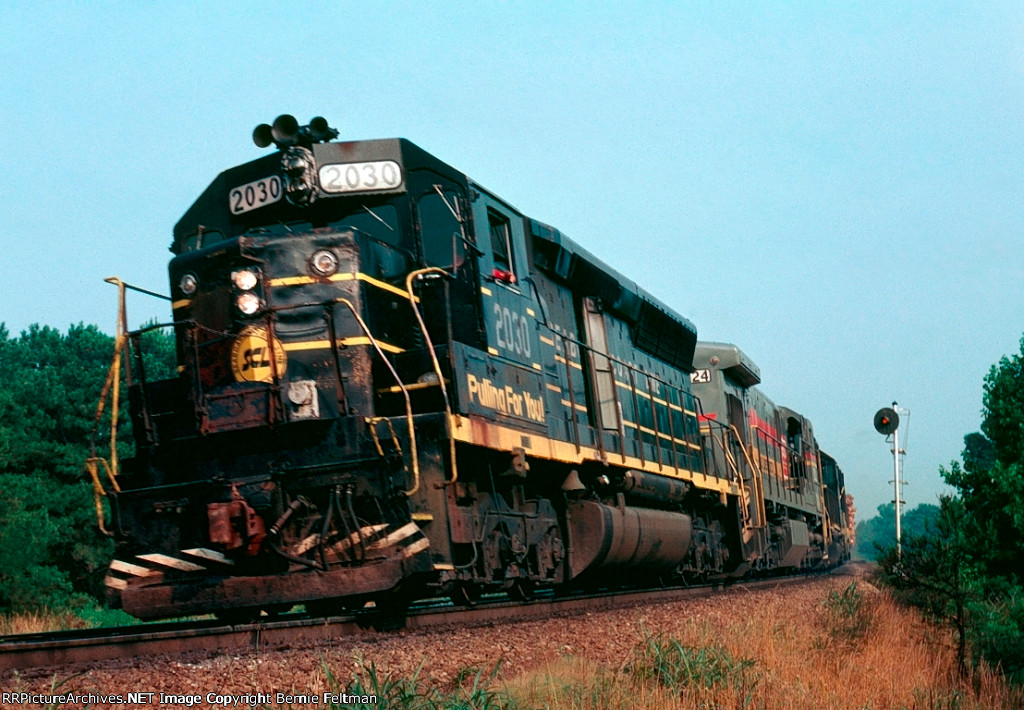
x: 634, y: 390
x: 755, y: 469
x: 412, y: 276
x: 405, y: 393
x: 111, y: 388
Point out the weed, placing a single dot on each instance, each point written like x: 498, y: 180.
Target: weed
x: 848, y: 616
x: 681, y: 668
x: 415, y: 693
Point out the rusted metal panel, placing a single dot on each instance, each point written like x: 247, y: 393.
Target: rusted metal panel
x: 238, y: 409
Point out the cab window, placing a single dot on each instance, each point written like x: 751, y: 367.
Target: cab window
x: 440, y: 231
x: 501, y: 241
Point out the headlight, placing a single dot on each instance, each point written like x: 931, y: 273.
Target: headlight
x: 244, y: 279
x: 323, y: 263
x: 248, y: 303
x: 188, y: 284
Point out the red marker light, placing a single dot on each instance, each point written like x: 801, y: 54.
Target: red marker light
x: 504, y: 276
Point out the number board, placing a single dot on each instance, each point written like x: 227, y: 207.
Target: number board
x: 338, y: 178
x: 255, y: 194
x: 701, y: 376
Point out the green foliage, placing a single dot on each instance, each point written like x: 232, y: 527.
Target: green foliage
x: 997, y: 630
x: 678, y: 667
x: 848, y: 616
x: 51, y: 552
x: 48, y: 389
x: 413, y: 693
x: 994, y: 499
x: 991, y: 482
x: 1003, y: 413
x: 935, y: 571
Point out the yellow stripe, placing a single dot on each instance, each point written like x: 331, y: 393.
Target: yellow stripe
x: 492, y: 435
x: 657, y: 400
x: 536, y: 366
x: 530, y: 312
x: 547, y: 341
x: 661, y: 434
x: 292, y: 281
x: 181, y: 304
x: 306, y: 280
x: 493, y: 351
x: 580, y: 407
x: 408, y: 388
x: 559, y: 358
x: 326, y: 344
x: 554, y: 388
x: 485, y: 291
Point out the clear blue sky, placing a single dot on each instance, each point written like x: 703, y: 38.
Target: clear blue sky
x: 836, y: 188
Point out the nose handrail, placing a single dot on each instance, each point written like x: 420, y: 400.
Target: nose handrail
x: 412, y: 276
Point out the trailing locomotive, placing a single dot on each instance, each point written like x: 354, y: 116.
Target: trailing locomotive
x: 391, y: 383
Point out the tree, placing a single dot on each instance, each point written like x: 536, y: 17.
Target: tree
x: 1003, y: 408
x: 935, y: 571
x: 991, y: 480
x: 51, y: 551
x: 877, y: 534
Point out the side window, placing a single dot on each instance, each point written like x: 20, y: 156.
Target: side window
x: 501, y: 244
x: 440, y: 231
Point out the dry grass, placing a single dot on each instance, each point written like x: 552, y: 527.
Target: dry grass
x: 854, y: 651
x: 824, y: 645
x: 39, y: 622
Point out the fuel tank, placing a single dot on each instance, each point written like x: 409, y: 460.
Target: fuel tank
x: 604, y: 537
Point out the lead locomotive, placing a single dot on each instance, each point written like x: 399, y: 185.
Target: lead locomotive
x: 391, y: 383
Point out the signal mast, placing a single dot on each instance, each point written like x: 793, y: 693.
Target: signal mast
x: 887, y: 422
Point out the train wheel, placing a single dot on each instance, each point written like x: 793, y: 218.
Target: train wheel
x: 464, y: 594
x: 238, y: 617
x: 335, y: 606
x: 521, y: 590
x: 275, y: 610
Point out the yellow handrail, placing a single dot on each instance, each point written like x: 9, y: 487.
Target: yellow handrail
x: 405, y: 393
x: 433, y: 356
x: 112, y: 389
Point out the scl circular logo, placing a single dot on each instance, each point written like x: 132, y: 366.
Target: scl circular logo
x: 255, y: 357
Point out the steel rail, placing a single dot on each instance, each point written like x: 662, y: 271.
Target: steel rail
x: 40, y: 651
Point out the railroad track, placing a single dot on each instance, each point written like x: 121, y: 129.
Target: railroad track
x: 35, y: 654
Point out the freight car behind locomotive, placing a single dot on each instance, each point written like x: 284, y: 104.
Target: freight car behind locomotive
x: 391, y: 383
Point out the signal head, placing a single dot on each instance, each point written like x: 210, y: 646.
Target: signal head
x: 886, y: 421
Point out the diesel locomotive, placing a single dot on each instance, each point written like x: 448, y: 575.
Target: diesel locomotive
x: 393, y: 384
